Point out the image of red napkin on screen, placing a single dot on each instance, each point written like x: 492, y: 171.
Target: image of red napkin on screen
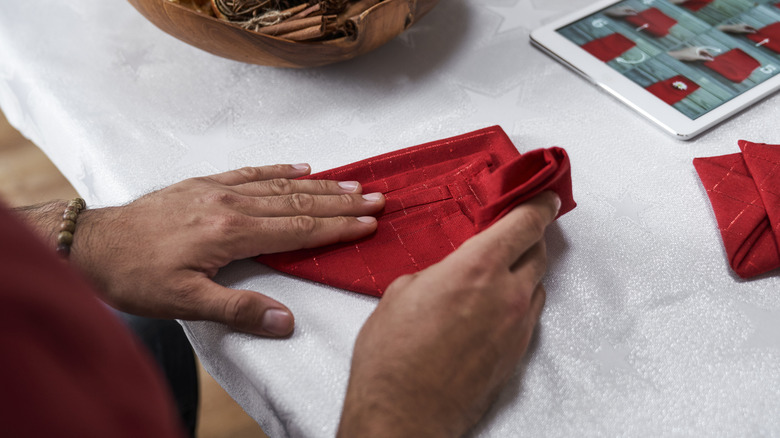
x: 674, y: 89
x: 768, y: 36
x: 695, y: 5
x: 652, y: 21
x: 744, y: 190
x: 609, y: 47
x: 734, y: 65
x: 438, y: 195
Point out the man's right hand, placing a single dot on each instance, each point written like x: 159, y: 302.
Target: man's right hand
x: 433, y: 356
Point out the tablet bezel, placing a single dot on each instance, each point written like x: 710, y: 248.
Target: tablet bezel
x: 601, y: 74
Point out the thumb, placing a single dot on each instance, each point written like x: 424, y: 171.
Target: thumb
x: 246, y: 311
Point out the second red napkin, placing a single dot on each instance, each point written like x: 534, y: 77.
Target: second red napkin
x: 744, y: 190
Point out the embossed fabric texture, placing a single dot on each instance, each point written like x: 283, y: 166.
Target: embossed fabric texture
x: 734, y: 65
x: 609, y: 47
x: 744, y: 190
x: 438, y: 195
x: 769, y: 36
x: 674, y: 89
x: 652, y: 21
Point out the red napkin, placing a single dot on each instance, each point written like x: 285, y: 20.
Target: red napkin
x: 734, y: 65
x: 653, y: 21
x: 769, y: 36
x: 438, y: 195
x: 674, y: 89
x: 609, y: 47
x: 744, y: 190
x: 695, y: 5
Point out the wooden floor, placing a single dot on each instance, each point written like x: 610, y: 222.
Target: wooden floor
x: 28, y: 177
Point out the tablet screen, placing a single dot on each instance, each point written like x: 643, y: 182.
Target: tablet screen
x: 694, y: 55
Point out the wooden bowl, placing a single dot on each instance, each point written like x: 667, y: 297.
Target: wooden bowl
x: 374, y: 27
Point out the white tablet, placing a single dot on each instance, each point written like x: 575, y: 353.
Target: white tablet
x: 684, y: 64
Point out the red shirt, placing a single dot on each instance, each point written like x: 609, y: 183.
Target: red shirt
x: 69, y: 367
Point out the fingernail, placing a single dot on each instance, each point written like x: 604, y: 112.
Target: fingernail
x: 557, y: 203
x: 277, y: 321
x: 349, y: 186
x: 300, y: 166
x: 367, y: 219
x: 373, y: 197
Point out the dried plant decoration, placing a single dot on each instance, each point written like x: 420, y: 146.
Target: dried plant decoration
x: 285, y: 33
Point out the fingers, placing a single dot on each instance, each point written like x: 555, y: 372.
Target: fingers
x: 284, y: 186
x: 509, y: 238
x: 252, y: 174
x: 282, y: 234
x: 314, y: 205
x: 243, y: 310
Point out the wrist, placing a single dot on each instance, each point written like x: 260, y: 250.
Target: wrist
x: 43, y: 219
x: 396, y: 410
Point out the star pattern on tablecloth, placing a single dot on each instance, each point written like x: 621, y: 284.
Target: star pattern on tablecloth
x: 134, y: 58
x: 503, y: 109
x: 613, y: 358
x: 523, y: 15
x: 214, y: 144
x: 87, y: 180
x: 627, y: 207
x: 765, y: 332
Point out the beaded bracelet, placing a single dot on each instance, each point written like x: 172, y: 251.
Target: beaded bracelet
x: 68, y: 226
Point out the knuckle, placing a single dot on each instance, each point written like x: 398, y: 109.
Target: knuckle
x: 345, y: 200
x: 532, y: 222
x: 228, y: 223
x: 235, y: 309
x: 280, y: 186
x: 251, y: 173
x: 304, y: 225
x: 221, y: 198
x: 301, y: 202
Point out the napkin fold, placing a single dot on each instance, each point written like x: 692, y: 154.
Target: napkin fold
x: 652, y: 21
x: 734, y: 65
x: 695, y: 5
x: 744, y: 190
x: 609, y: 47
x: 767, y: 36
x: 674, y: 89
x: 438, y: 194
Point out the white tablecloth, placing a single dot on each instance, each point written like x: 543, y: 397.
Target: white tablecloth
x: 646, y: 331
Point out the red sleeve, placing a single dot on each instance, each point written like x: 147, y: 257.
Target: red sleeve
x: 69, y: 367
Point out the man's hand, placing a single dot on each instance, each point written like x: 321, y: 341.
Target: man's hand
x: 692, y: 54
x: 432, y: 357
x: 620, y: 12
x: 156, y: 256
x: 737, y: 28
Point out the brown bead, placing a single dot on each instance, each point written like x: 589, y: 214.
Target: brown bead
x: 63, y: 250
x: 81, y: 202
x: 68, y: 226
x: 65, y: 238
x: 74, y: 205
x: 69, y: 216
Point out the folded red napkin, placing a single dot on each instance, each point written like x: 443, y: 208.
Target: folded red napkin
x: 609, y: 47
x: 674, y: 89
x: 767, y: 36
x: 734, y: 65
x: 744, y: 190
x: 438, y: 195
x: 652, y: 21
x: 695, y: 5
